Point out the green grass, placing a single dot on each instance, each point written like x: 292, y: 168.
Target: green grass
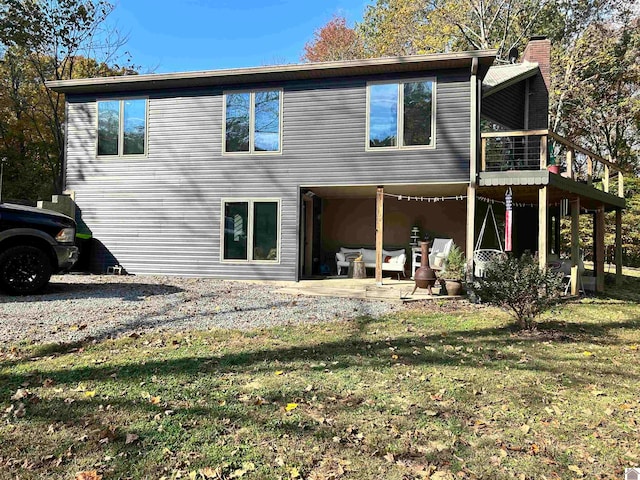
x: 444, y: 390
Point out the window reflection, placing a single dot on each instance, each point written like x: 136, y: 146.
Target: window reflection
x: 108, y: 127
x: 135, y: 112
x: 267, y: 121
x: 383, y: 115
x: 237, y: 122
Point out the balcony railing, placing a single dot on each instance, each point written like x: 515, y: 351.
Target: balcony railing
x: 542, y: 149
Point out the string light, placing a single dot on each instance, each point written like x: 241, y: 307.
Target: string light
x: 456, y: 197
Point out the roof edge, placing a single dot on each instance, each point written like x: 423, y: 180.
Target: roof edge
x: 276, y: 72
x: 535, y: 68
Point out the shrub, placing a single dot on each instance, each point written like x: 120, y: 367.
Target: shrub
x: 456, y: 261
x: 520, y: 287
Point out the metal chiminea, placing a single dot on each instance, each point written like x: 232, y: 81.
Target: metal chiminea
x: 425, y: 277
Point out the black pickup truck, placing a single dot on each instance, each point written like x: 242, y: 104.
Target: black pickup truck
x: 34, y: 244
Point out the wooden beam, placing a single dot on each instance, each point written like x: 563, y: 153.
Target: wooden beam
x: 589, y: 171
x: 599, y: 250
x: 379, y: 233
x: 618, y: 246
x: 575, y: 244
x: 515, y: 133
x: 471, y: 227
x: 605, y: 179
x: 543, y: 152
x: 483, y: 166
x: 543, y: 217
x: 570, y: 159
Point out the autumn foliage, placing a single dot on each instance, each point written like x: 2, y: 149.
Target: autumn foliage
x: 333, y: 41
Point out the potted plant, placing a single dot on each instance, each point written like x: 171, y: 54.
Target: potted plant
x: 453, y: 273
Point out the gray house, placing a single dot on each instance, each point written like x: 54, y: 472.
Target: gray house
x: 266, y: 172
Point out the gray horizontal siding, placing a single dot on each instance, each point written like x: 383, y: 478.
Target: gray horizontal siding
x: 506, y: 106
x: 161, y: 213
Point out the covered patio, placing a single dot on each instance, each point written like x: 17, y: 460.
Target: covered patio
x: 377, y: 218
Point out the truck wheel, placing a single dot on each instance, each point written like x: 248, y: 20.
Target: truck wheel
x: 24, y: 270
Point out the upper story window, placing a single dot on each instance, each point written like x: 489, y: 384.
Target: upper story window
x: 401, y: 115
x: 253, y: 121
x: 122, y: 127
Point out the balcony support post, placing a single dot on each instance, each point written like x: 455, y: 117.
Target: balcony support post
x: 575, y: 245
x: 618, y: 246
x: 543, y: 222
x: 589, y: 171
x: 543, y: 152
x: 605, y: 179
x: 570, y: 159
x: 620, y: 184
x: 599, y: 249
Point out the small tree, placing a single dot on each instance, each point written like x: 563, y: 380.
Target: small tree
x: 520, y: 287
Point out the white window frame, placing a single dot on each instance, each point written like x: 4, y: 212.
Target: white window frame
x: 400, y: 113
x: 121, y: 153
x: 250, y: 201
x: 252, y: 121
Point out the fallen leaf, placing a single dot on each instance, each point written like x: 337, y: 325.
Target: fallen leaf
x: 20, y: 394
x: 90, y: 393
x: 294, y: 473
x: 525, y: 428
x: 290, y: 406
x: 88, y: 475
x: 131, y: 437
x: 19, y: 412
x: 586, y: 353
x: 209, y: 472
x: 575, y: 469
x: 279, y: 372
x: 154, y: 400
x: 390, y: 458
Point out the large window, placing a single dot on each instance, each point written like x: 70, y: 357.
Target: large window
x: 253, y: 121
x: 122, y: 126
x: 401, y: 114
x: 251, y: 230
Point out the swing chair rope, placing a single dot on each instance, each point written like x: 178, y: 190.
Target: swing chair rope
x: 484, y: 226
x: 483, y: 257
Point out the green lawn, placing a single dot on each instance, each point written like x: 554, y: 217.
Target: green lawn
x: 443, y: 391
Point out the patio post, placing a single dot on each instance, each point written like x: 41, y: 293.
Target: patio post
x: 599, y: 249
x: 618, y: 246
x: 379, y: 233
x: 575, y: 244
x: 543, y: 218
x: 471, y: 227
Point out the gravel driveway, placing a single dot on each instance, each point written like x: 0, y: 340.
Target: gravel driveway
x: 78, y: 307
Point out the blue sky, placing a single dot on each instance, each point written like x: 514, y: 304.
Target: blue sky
x: 187, y: 35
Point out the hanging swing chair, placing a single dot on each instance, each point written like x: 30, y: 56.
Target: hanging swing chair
x: 482, y: 257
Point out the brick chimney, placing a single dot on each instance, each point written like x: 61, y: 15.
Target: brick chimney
x: 538, y: 50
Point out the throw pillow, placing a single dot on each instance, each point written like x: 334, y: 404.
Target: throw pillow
x: 438, y: 262
x: 387, y: 259
x: 350, y: 257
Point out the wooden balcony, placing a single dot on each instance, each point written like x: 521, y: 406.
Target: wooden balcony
x: 530, y: 150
